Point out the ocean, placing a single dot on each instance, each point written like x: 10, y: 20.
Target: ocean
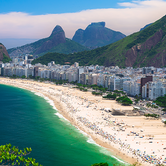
x: 28, y: 120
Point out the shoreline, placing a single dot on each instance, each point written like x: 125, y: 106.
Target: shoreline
x: 71, y: 104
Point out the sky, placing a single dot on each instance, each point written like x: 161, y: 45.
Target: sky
x: 35, y: 19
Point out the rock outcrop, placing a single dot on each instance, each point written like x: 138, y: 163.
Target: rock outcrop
x: 96, y: 35
x: 57, y: 37
x: 141, y: 49
x: 3, y: 52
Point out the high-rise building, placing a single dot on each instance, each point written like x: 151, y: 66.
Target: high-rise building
x: 145, y: 80
x: 152, y: 90
x: 36, y: 70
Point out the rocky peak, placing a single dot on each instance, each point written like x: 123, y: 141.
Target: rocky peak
x: 56, y: 30
x: 96, y: 35
x: 57, y: 37
x: 78, y: 36
x: 97, y: 24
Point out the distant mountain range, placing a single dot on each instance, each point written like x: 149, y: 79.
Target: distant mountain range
x: 144, y: 48
x: 4, y: 56
x: 56, y: 42
x: 96, y: 35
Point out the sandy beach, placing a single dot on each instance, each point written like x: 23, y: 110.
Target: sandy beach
x: 130, y: 138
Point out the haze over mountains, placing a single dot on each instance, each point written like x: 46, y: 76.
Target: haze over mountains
x: 96, y: 35
x: 16, y: 42
x: 144, y: 48
x: 56, y: 42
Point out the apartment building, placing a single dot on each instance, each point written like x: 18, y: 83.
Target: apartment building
x: 152, y: 90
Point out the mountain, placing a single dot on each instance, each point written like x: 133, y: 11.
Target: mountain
x: 96, y: 35
x: 56, y: 42
x: 145, y: 26
x: 4, y: 56
x: 144, y: 48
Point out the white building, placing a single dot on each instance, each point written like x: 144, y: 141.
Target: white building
x: 132, y: 87
x: 80, y: 71
x: 73, y: 76
x: 92, y: 79
x: 116, y: 83
x: 28, y: 72
x: 152, y: 90
x: 101, y: 80
x: 127, y: 86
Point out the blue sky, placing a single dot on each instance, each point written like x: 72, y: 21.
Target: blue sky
x: 35, y: 19
x: 37, y: 7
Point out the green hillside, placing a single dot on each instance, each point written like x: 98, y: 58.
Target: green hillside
x: 66, y: 48
x: 4, y: 56
x: 6, y: 59
x: 84, y: 57
x: 144, y: 48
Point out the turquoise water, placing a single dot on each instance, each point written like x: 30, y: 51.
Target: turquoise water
x: 27, y: 120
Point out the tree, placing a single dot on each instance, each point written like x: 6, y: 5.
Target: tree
x: 161, y: 101
x: 13, y: 156
x: 164, y: 109
x: 124, y: 100
x: 110, y: 96
x: 152, y: 115
x: 23, y: 76
x: 31, y: 77
x: 165, y: 122
x: 37, y: 77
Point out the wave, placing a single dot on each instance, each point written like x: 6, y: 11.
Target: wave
x: 61, y: 116
x: 82, y: 132
x: 46, y: 98
x: 89, y: 140
x: 106, y: 152
x: 51, y: 102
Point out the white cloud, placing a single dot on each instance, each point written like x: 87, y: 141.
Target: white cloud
x: 143, y: 4
x: 128, y: 19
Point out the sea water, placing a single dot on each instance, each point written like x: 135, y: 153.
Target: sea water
x: 29, y: 120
